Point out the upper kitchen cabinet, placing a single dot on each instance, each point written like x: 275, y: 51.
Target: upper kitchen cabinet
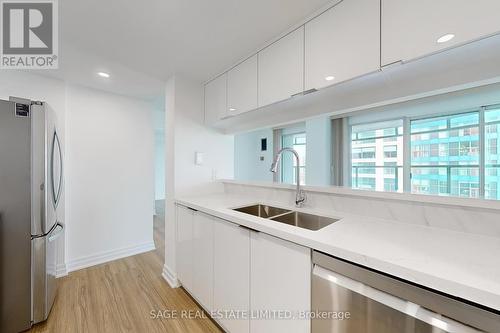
x: 242, y: 87
x: 281, y: 68
x: 342, y: 43
x: 412, y: 29
x: 216, y: 99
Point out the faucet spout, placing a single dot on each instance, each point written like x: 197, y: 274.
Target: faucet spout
x: 300, y: 195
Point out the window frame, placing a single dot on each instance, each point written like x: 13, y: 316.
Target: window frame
x: 407, y: 158
x: 407, y: 181
x: 387, y: 143
x: 303, y: 162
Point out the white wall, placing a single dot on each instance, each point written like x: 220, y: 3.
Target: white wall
x: 318, y: 151
x: 108, y: 144
x: 169, y: 270
x: 247, y: 154
x: 186, y: 134
x: 159, y: 126
x: 248, y: 166
x: 191, y: 136
x: 159, y: 166
x: 110, y: 153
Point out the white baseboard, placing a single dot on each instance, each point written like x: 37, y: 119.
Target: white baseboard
x: 61, y: 270
x: 96, y: 259
x: 170, y: 277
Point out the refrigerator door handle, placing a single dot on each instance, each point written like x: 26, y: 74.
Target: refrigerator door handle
x: 56, y: 232
x: 56, y: 179
x: 47, y: 233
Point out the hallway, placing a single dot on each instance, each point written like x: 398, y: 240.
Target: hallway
x: 119, y: 296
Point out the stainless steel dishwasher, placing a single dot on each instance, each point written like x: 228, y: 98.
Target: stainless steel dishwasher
x: 347, y: 298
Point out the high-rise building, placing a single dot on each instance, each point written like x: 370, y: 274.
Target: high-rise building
x: 377, y: 156
x: 453, y: 155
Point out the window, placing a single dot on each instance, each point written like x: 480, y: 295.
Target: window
x: 491, y: 158
x: 363, y: 152
x: 390, y: 151
x: 452, y: 155
x: 492, y: 146
x: 445, y: 155
x: 389, y: 185
x: 377, y: 156
x: 289, y: 165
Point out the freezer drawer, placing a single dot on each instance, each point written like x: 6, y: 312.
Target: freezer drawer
x: 44, y: 272
x: 347, y: 298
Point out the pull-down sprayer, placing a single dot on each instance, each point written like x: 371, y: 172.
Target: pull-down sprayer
x: 300, y: 195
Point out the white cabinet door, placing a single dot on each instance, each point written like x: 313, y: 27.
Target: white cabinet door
x: 342, y: 43
x: 410, y: 29
x: 185, y: 218
x: 281, y: 68
x: 280, y: 280
x: 203, y: 259
x: 231, y: 274
x: 216, y: 99
x: 242, y: 87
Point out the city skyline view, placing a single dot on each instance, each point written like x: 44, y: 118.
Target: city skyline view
x: 452, y: 155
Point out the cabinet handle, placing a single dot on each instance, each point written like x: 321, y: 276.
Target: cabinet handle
x: 247, y: 228
x: 305, y: 92
x: 310, y: 91
x: 391, y: 65
x: 192, y: 209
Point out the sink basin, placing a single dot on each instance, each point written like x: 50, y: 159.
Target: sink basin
x: 262, y: 210
x: 301, y: 220
x: 306, y: 221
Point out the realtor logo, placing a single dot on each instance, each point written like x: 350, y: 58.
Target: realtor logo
x: 28, y: 34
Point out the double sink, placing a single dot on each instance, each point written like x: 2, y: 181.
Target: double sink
x: 298, y: 219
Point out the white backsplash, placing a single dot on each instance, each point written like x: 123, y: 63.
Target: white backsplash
x: 481, y: 221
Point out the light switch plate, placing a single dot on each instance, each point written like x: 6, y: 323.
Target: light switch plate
x: 198, y: 158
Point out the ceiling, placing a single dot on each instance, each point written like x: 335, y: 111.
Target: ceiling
x: 143, y: 43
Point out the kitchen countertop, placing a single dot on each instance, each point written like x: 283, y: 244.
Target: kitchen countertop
x: 456, y: 263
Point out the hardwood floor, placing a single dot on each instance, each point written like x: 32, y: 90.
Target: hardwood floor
x: 119, y: 296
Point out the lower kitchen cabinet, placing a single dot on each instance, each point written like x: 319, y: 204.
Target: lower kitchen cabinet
x: 185, y: 220
x: 250, y: 281
x: 231, y: 276
x: 280, y: 280
x: 195, y: 260
x: 203, y: 258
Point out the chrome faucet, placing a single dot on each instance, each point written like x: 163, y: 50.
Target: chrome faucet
x: 300, y: 195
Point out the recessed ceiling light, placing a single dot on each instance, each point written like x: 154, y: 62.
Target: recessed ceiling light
x: 445, y: 38
x: 103, y: 74
x: 232, y: 109
x: 330, y: 78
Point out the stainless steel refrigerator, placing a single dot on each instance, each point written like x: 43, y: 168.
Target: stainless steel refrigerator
x: 31, y: 180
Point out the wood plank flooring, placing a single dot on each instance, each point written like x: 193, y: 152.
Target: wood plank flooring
x: 119, y: 296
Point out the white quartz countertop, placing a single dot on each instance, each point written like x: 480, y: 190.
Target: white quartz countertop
x: 459, y: 264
